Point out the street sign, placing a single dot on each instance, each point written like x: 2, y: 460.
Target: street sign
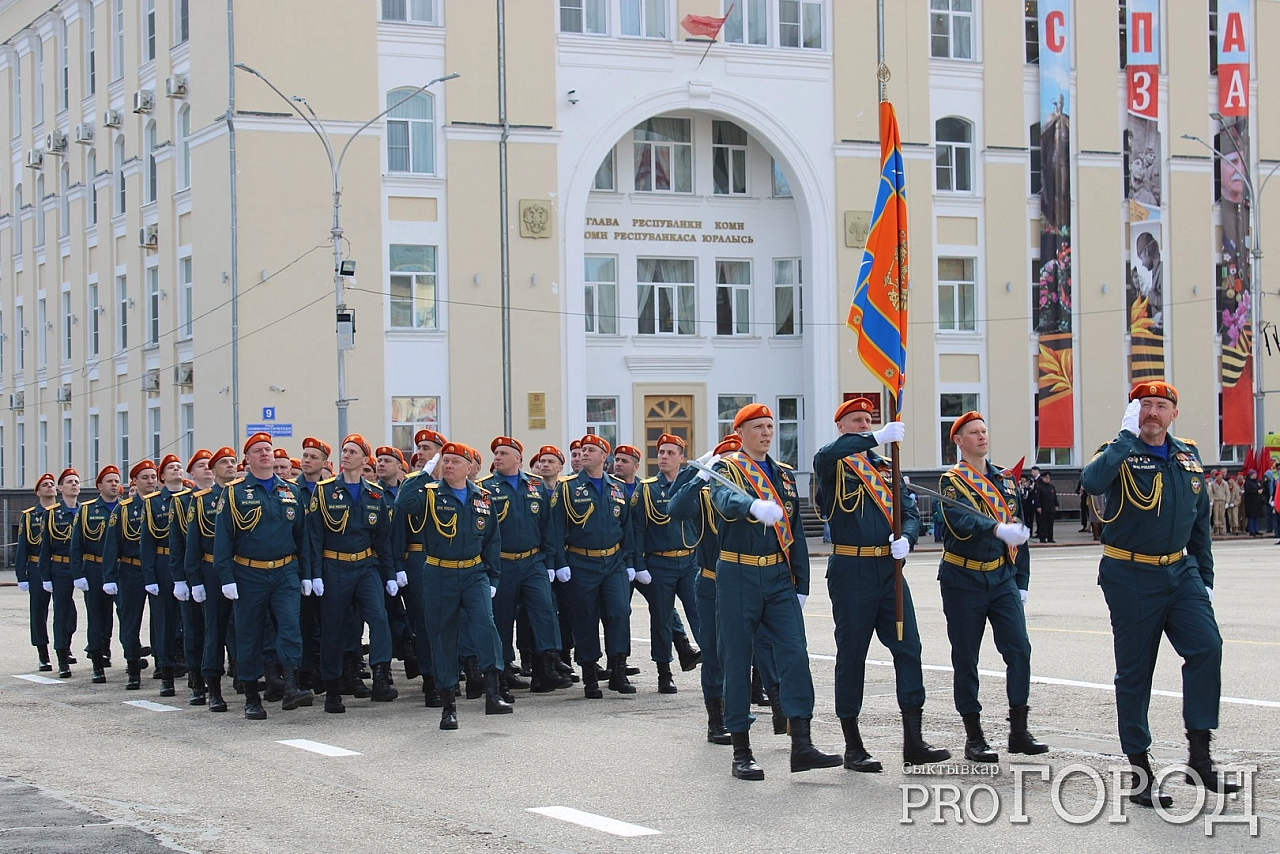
x: 279, y: 431
x: 268, y: 413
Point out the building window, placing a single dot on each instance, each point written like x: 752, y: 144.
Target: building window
x: 664, y: 156
x: 728, y: 159
x: 645, y: 18
x: 755, y: 28
x: 411, y: 414
x: 39, y: 206
x: 411, y: 142
x: 64, y: 201
x: 187, y: 422
x: 954, y: 155
x: 951, y: 29
x: 951, y: 407
x: 409, y: 12
x: 800, y: 24
x: 1213, y: 69
x: 15, y: 74
x: 186, y: 298
x: 91, y: 185
x: 1124, y: 34
x: 733, y: 297
x: 181, y: 21
x: 65, y: 320
x: 64, y: 66
x: 22, y: 454
x: 153, y: 430
x: 788, y: 302
x: 95, y: 320
x: 2, y: 466
x: 95, y: 449
x: 122, y: 314
x: 117, y: 40
x: 787, y: 445
x: 184, y: 140
x: 604, y: 179
x: 781, y: 186
x: 1031, y: 26
x: 727, y: 406
x: 148, y: 30
x: 39, y: 91
x: 413, y: 287
x: 66, y: 442
x: 20, y: 336
x: 956, y: 295
x: 602, y: 418
x: 152, y: 177
x: 153, y: 306
x: 1127, y: 164
x: 42, y: 444
x: 122, y: 440
x: 2, y: 339
x: 17, y: 220
x: 665, y: 296
x: 119, y: 177
x: 583, y: 16
x: 42, y: 336
x: 90, y: 55
x: 600, y: 294
x: 1033, y: 146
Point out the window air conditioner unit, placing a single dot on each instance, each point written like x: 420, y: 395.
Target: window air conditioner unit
x: 112, y: 118
x: 184, y: 373
x: 55, y: 142
x: 64, y: 394
x: 17, y: 400
x: 35, y: 158
x: 176, y: 86
x: 84, y: 133
x: 144, y: 101
x: 149, y: 236
x: 151, y: 382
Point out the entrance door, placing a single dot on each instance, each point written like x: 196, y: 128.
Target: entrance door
x: 665, y: 414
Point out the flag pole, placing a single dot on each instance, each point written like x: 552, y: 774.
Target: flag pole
x: 716, y: 35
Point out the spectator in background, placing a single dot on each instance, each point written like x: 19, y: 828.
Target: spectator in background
x: 1028, y: 495
x: 1084, y: 509
x: 1046, y: 499
x: 1272, y: 476
x: 1255, y: 502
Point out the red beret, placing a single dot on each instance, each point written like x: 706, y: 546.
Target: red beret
x: 428, y: 436
x: 971, y: 415
x: 629, y: 450
x: 67, y: 473
x: 42, y: 478
x: 221, y: 453
x: 456, y: 448
x: 506, y: 442
x: 358, y: 440
x: 106, y: 470
x: 387, y: 451
x: 415, y: 460
x: 751, y: 412
x: 473, y: 455
x: 669, y: 439
x: 294, y: 462
x: 593, y: 439
x: 255, y: 439
x: 168, y: 458
x: 202, y: 454
x: 550, y: 449
x: 857, y: 404
x: 575, y: 445
x: 729, y: 444
x: 141, y: 467
x: 1154, y: 389
x: 318, y: 445
x: 280, y: 454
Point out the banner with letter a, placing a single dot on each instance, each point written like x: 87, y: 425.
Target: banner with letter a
x: 1144, y: 288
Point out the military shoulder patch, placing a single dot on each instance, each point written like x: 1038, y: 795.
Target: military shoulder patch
x: 327, y: 480
x: 567, y: 477
x: 435, y: 484
x: 201, y: 492
x: 653, y: 479
x: 783, y: 465
x: 151, y: 496
x: 237, y: 480
x: 125, y: 502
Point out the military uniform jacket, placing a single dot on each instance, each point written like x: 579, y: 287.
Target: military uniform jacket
x: 30, y: 534
x: 453, y: 530
x: 971, y: 534
x: 523, y: 515
x: 124, y: 540
x: 847, y: 504
x: 337, y: 525
x: 89, y: 536
x: 408, y: 534
x: 179, y: 521
x: 197, y: 560
x: 691, y: 504
x: 657, y: 528
x: 583, y: 518
x: 261, y: 524
x: 1154, y: 506
x: 55, y: 540
x: 742, y: 534
x: 157, y: 508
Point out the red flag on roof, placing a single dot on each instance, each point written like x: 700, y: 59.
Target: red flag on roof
x: 703, y: 25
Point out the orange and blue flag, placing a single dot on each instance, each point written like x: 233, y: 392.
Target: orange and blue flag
x: 879, y: 310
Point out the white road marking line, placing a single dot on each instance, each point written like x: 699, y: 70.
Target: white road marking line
x: 317, y: 747
x: 39, y: 680
x: 152, y: 707
x: 595, y: 822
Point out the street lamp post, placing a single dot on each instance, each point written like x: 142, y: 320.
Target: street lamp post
x: 344, y: 317
x: 1255, y: 276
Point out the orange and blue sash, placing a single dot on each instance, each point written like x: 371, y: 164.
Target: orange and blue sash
x: 760, y: 482
x: 874, y: 482
x: 992, y: 497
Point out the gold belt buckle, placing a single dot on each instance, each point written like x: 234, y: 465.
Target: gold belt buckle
x: 762, y: 560
x: 1164, y: 560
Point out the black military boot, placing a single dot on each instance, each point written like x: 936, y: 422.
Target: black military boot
x: 856, y: 757
x: 504, y: 688
x: 197, y: 697
x: 1144, y: 792
x: 493, y: 702
x: 804, y: 756
x: 274, y: 678
x: 757, y: 689
x: 99, y: 674
x: 541, y: 682
x: 475, y: 679
x: 448, y: 710
x: 166, y: 682
x: 253, y: 710
x: 689, y: 657
x: 43, y: 652
x: 216, y: 701
x: 628, y: 669
x: 666, y: 684
x: 293, y: 696
x: 775, y: 706
x: 1202, y: 772
x: 134, y: 669
x: 556, y: 677
x: 64, y: 663
x: 526, y: 662
x: 591, y: 681
x: 352, y: 684
x: 716, y: 733
x: 333, y: 697
x: 915, y: 750
x: 430, y: 694
x: 618, y: 680
x: 409, y: 653
x: 383, y: 691
x: 744, y: 764
x: 976, y: 748
x: 1020, y: 738
x: 514, y: 680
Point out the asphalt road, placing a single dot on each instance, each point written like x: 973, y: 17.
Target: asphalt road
x: 88, y: 772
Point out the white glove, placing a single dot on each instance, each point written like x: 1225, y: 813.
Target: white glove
x: 493, y: 591
x: 392, y: 587
x: 231, y: 591
x: 47, y: 585
x: 431, y: 464
x: 631, y: 574
x: 899, y: 548
x: 197, y: 593
x: 306, y: 587
x: 563, y: 574
x: 24, y: 586
x: 705, y: 459
x: 769, y: 512
x: 181, y: 591
x: 803, y: 598
x: 1130, y: 420
x: 81, y: 584
x: 1014, y: 535
x: 317, y: 587
x: 1209, y: 590
x: 152, y: 589
x: 402, y: 579
x: 644, y: 577
x: 1023, y: 594
x: 110, y: 589
x: 551, y: 575
x: 894, y: 431
x: 706, y: 475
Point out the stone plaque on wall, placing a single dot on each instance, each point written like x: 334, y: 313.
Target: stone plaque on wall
x: 857, y: 225
x: 535, y: 218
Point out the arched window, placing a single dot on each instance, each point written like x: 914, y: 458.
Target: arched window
x: 151, y: 162
x: 953, y: 164
x: 119, y: 176
x: 411, y: 127
x: 184, y: 140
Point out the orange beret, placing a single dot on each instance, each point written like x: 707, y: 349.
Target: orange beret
x: 669, y: 439
x: 106, y: 470
x: 168, y: 458
x: 294, y: 462
x: 857, y: 404
x: 456, y: 448
x: 255, y: 439
x: 506, y: 442
x: 550, y: 449
x: 67, y: 473
x: 599, y: 442
x: 318, y: 445
x: 240, y: 467
x: 280, y: 454
x: 575, y: 445
x: 415, y: 459
x: 222, y: 453
x: 474, y: 455
x: 42, y: 478
x: 328, y: 466
x: 629, y: 450
x: 371, y: 462
x: 971, y: 415
x: 387, y: 451
x: 729, y: 444
x: 1154, y: 389
x: 751, y: 412
x: 358, y: 440
x: 202, y: 454
x: 428, y: 436
x: 138, y: 468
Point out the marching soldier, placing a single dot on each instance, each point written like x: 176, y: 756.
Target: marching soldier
x: 157, y: 573
x: 55, y: 567
x: 575, y: 455
x: 27, y: 566
x: 348, y: 536
x: 391, y: 470
x: 858, y: 504
x: 547, y: 465
x: 1157, y: 577
x: 122, y: 568
x: 88, y: 542
x: 260, y: 558
x: 198, y: 568
x: 428, y: 443
x: 984, y: 577
x: 191, y: 611
x: 408, y: 545
x: 281, y: 465
x: 315, y: 456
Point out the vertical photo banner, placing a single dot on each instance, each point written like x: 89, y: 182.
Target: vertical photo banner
x: 1144, y: 286
x: 1055, y: 368
x: 1235, y: 329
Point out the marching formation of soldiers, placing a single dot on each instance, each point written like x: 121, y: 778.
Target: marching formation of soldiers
x: 276, y: 567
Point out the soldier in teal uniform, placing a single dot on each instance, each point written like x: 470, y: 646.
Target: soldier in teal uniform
x: 592, y: 534
x: 190, y: 611
x: 762, y: 580
x: 392, y: 470
x: 984, y: 574
x: 157, y: 573
x: 260, y: 558
x: 315, y: 454
x: 198, y: 568
x: 1157, y: 577
x: 55, y: 566
x: 408, y: 544
x: 88, y: 542
x: 122, y: 568
x: 857, y: 502
x: 349, y: 544
x: 27, y: 566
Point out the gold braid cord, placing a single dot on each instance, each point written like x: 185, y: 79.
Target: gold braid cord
x: 654, y: 515
x: 33, y: 539
x: 160, y: 534
x: 576, y: 519
x: 133, y: 535
x: 242, y: 521
x: 1130, y: 493
x: 206, y: 524
x: 88, y: 531
x: 978, y: 505
x: 180, y: 513
x: 60, y: 536
x: 449, y: 530
x: 709, y: 513
x: 336, y: 524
